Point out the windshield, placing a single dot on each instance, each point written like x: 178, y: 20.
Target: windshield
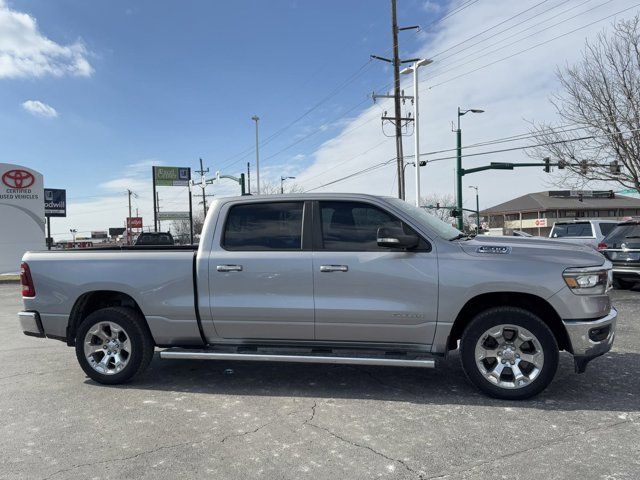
x: 578, y: 229
x: 629, y: 234
x: 423, y: 217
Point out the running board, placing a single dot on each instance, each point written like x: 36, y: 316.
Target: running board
x: 182, y: 354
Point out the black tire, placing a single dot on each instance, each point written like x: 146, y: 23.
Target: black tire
x: 509, y: 316
x: 623, y: 284
x: 142, y: 345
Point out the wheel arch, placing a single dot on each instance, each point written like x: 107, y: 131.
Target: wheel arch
x: 90, y: 302
x: 533, y: 303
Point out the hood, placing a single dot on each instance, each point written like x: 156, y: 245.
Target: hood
x: 569, y: 255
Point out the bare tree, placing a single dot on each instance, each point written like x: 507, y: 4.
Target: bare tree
x: 181, y: 228
x: 446, y: 202
x: 273, y: 188
x: 599, y: 106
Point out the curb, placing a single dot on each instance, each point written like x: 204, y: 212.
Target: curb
x: 9, y: 279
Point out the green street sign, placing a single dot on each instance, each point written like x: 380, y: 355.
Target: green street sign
x: 172, y: 176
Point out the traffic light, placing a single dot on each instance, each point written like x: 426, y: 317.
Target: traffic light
x: 423, y: 163
x: 547, y: 164
x: 455, y: 213
x: 562, y: 164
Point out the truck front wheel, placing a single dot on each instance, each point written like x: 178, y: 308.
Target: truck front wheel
x: 113, y: 345
x: 509, y: 353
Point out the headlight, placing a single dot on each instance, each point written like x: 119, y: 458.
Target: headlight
x: 588, y: 281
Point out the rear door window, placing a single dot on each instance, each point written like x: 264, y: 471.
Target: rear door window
x: 607, y: 228
x: 264, y: 226
x: 567, y: 230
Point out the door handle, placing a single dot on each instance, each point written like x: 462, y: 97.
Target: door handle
x: 229, y: 268
x: 334, y: 268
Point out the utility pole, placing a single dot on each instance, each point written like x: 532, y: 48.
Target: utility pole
x: 396, y: 99
x: 397, y: 95
x: 256, y: 119
x: 129, y: 192
x: 475, y: 187
x: 203, y: 185
x: 248, y: 189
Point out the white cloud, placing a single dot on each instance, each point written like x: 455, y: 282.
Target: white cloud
x: 26, y: 52
x: 431, y: 7
x: 511, y: 92
x: 39, y: 109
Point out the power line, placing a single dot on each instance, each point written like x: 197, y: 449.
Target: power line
x: 387, y: 162
x: 532, y: 47
x: 462, y: 7
x: 459, y: 62
x: 345, y: 162
x: 495, y: 26
x: 513, y: 138
x: 246, y: 152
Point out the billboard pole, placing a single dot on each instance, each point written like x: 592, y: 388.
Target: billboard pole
x: 48, y: 232
x: 155, y: 205
x: 191, y: 210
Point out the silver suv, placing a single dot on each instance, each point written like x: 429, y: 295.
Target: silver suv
x: 582, y: 232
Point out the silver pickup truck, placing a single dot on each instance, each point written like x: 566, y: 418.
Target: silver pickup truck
x: 328, y: 278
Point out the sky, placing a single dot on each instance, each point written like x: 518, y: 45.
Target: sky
x: 93, y: 94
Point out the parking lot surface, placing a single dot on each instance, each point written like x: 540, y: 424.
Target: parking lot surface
x: 233, y: 420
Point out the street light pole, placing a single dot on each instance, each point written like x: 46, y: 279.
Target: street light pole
x: 416, y: 119
x: 282, y: 180
x: 460, y: 217
x: 477, y: 209
x: 256, y: 119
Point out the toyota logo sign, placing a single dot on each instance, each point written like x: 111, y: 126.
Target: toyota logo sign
x: 18, y: 179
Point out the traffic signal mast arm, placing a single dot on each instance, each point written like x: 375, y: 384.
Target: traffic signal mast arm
x: 509, y: 166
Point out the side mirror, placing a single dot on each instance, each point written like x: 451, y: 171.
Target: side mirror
x: 396, y: 238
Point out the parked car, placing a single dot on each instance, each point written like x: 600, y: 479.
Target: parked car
x: 622, y: 247
x: 582, y: 232
x: 155, y: 238
x: 328, y: 278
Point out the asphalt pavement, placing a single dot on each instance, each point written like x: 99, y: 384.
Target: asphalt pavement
x: 234, y: 420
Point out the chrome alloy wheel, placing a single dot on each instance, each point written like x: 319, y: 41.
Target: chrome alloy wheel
x: 509, y: 356
x: 107, y: 347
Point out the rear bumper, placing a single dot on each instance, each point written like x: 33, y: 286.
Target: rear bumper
x: 591, y: 338
x: 31, y: 324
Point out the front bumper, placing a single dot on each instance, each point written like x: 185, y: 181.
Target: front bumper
x: 31, y: 324
x: 632, y: 272
x: 591, y: 338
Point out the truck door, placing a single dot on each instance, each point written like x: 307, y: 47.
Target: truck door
x: 367, y: 293
x: 260, y: 276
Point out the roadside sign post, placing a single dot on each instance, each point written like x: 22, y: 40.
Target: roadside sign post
x: 55, y: 205
x: 155, y: 203
x: 190, y: 214
x: 171, y: 177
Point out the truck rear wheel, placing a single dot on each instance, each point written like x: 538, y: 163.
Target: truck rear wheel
x: 509, y: 353
x: 113, y: 345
